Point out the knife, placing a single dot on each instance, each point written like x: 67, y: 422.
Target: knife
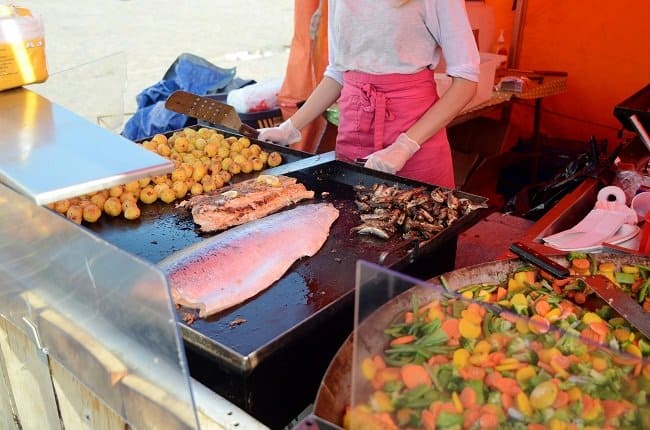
x: 207, y: 109
x: 618, y: 299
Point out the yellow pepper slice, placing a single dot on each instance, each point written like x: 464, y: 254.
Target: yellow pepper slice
x: 543, y: 395
x: 468, y: 329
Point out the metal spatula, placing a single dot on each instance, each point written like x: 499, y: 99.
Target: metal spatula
x: 212, y: 111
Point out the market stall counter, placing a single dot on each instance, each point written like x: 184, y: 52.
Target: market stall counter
x: 268, y: 354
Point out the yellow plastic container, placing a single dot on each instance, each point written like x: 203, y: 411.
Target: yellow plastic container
x: 22, y: 48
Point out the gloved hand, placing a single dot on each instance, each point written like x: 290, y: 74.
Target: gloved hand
x: 285, y: 134
x: 392, y: 158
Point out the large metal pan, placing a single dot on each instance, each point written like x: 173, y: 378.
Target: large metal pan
x: 334, y: 393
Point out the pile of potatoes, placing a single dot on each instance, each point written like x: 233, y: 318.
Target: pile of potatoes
x: 204, y: 161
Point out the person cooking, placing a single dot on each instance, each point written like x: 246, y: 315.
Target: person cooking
x: 381, y: 59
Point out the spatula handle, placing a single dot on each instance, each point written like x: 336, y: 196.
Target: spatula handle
x: 539, y: 260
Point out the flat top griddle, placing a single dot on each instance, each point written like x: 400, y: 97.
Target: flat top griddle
x: 311, y: 289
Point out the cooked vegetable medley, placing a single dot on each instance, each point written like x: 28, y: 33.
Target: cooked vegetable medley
x: 458, y: 364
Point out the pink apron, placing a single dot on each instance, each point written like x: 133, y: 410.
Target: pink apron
x: 375, y: 109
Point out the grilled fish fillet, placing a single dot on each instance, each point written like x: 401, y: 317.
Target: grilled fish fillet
x: 244, y: 202
x: 231, y: 267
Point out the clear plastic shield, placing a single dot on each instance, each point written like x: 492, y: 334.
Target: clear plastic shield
x: 103, y: 314
x: 514, y: 355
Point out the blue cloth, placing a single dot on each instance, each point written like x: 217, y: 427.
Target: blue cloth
x: 189, y: 73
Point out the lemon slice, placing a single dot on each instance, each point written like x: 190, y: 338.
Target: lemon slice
x: 271, y: 180
x: 230, y: 194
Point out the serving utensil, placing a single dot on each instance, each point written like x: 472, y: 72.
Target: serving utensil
x: 207, y: 109
x: 615, y: 297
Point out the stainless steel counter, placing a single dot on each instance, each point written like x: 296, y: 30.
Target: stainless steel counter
x: 49, y: 153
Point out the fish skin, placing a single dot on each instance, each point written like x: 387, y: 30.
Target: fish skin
x: 231, y: 267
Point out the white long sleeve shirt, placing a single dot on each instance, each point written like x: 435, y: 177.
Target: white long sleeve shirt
x: 380, y: 37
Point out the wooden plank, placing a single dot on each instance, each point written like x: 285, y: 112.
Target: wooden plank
x: 79, y: 407
x: 6, y: 408
x: 148, y: 404
x: 29, y: 379
x: 76, y: 349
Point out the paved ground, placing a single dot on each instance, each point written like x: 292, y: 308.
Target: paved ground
x: 102, y: 53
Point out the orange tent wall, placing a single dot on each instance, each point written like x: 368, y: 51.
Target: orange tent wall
x: 602, y: 46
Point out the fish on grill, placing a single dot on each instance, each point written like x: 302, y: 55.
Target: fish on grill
x: 245, y: 201
x: 231, y: 267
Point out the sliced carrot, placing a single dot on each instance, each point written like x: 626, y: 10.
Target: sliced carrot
x: 502, y: 293
x: 613, y: 408
x: 591, y: 335
x: 471, y: 417
x: 507, y: 401
x: 489, y: 421
x: 409, y: 318
x: 496, y: 357
x: 561, y: 282
x: 379, y: 362
x: 539, y: 324
x: 500, y: 340
x: 448, y: 407
x: 588, y: 404
x: 545, y: 275
x: 624, y: 360
x: 600, y: 328
x: 561, y: 400
x: 382, y: 376
x: 546, y: 367
x: 621, y: 334
x: 542, y: 307
x: 472, y: 373
x: 429, y: 420
x: 580, y: 264
x: 387, y: 420
x: 468, y: 397
x: 403, y: 340
x: 560, y: 361
x: 435, y: 409
x: 536, y: 345
x: 451, y: 327
x: 493, y: 379
x: 509, y: 386
x: 415, y: 375
x: 535, y: 426
x: 437, y: 359
x: 580, y: 297
x: 477, y: 309
x: 531, y: 276
x: 491, y: 408
x: 509, y: 317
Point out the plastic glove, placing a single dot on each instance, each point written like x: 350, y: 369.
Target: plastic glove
x: 285, y: 134
x: 392, y: 158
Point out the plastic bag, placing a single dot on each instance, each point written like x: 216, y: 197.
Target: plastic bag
x: 257, y: 97
x: 22, y: 48
x: 629, y: 181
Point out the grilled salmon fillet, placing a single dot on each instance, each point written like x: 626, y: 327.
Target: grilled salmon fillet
x: 245, y: 201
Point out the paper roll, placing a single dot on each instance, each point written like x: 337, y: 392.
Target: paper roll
x: 611, y: 194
